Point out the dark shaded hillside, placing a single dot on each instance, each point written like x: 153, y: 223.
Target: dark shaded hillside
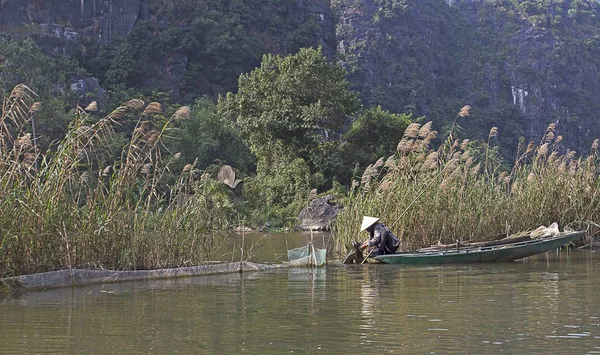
x: 520, y: 64
x: 187, y: 47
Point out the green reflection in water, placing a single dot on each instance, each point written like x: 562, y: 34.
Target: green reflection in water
x: 544, y: 305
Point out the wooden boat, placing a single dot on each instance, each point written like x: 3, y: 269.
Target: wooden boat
x: 489, y: 254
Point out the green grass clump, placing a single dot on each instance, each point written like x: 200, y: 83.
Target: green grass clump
x: 463, y: 191
x: 69, y: 208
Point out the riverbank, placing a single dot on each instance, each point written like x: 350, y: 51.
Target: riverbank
x: 81, y: 277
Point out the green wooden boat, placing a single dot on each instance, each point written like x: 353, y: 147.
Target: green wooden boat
x: 490, y: 254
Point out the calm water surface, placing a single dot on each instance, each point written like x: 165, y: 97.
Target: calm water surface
x: 549, y: 304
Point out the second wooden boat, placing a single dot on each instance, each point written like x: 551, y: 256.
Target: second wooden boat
x: 496, y: 253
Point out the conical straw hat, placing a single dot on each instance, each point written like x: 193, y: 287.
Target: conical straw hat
x: 367, y: 222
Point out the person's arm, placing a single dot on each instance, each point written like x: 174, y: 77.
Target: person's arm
x: 374, y: 240
x: 367, y: 243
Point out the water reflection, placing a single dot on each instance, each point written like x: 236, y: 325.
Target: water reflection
x: 539, y: 306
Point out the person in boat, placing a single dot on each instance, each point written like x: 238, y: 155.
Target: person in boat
x: 381, y: 239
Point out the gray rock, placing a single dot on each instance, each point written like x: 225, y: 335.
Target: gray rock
x: 86, y: 87
x: 319, y: 214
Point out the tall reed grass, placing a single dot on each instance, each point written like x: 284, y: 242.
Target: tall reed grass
x: 455, y: 192
x: 65, y: 209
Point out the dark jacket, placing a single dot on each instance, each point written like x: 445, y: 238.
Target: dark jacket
x: 382, y: 238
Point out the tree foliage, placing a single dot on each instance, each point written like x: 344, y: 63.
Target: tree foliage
x: 289, y: 104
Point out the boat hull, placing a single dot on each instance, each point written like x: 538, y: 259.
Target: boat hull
x: 497, y: 253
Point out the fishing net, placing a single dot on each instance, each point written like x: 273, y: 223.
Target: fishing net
x: 307, y: 256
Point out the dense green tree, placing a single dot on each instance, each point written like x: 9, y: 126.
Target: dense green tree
x: 206, y: 138
x: 284, y: 108
x: 374, y: 134
x: 22, y: 61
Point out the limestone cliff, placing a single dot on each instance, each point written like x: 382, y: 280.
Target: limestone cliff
x: 71, y: 19
x: 520, y: 64
x: 188, y: 48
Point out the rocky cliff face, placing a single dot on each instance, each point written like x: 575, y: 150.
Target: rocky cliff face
x: 519, y: 64
x: 71, y: 19
x: 190, y: 48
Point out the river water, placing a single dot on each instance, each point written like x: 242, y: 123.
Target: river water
x: 546, y: 304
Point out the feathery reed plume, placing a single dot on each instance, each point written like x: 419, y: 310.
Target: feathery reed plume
x: 366, y: 176
x: 493, y: 132
x: 430, y: 137
x: 531, y: 177
x: 573, y: 167
x: 549, y: 136
x: 417, y: 146
x: 106, y: 170
x: 553, y: 156
x: 187, y: 169
x: 465, y: 144
x: 84, y: 177
x: 562, y: 167
x: 558, y: 139
x: 390, y: 163
x: 153, y: 108
x: 551, y: 127
x: 475, y: 169
x: 143, y: 127
x: 385, y: 185
x: 20, y: 92
x: 465, y: 111
x: 421, y: 157
x: 378, y: 164
x: 457, y: 172
x: 543, y: 150
x: 468, y: 162
x: 151, y: 137
x: 515, y: 187
x: 405, y: 145
x: 595, y: 144
x: 371, y: 172
x: 24, y: 142
x: 355, y: 184
x: 570, y: 155
x: 590, y: 160
x: 92, y: 107
x: 453, y: 165
x: 182, y: 113
x: 177, y: 155
x: 502, y: 176
x: 412, y: 131
x: 530, y: 148
x: 135, y: 104
x: 425, y: 130
x: 430, y: 162
x: 456, y: 144
x: 35, y: 108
